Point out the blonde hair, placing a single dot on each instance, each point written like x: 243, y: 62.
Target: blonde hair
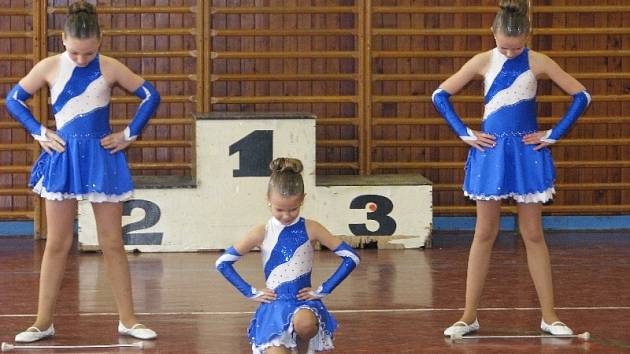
x: 286, y: 177
x: 82, y: 21
x: 512, y: 18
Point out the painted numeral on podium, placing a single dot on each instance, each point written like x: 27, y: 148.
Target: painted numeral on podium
x: 379, y: 208
x: 152, y: 216
x: 255, y: 153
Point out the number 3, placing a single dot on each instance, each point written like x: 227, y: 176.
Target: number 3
x: 380, y: 207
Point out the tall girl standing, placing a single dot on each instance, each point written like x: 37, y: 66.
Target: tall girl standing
x: 82, y: 160
x: 510, y: 157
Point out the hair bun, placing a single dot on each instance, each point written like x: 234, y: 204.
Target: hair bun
x: 519, y: 7
x: 286, y: 165
x: 81, y: 6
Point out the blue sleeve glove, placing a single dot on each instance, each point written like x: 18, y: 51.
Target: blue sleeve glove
x: 350, y: 261
x: 225, y: 266
x: 443, y: 105
x: 581, y: 100
x: 16, y: 105
x: 150, y: 101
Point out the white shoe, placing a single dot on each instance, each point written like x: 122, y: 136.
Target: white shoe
x: 137, y: 331
x: 461, y: 328
x: 557, y: 328
x: 33, y: 334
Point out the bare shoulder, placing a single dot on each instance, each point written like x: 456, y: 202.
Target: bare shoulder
x: 43, y: 73
x: 48, y: 66
x: 317, y: 232
x: 257, y: 233
x: 253, y: 238
x: 539, y: 62
x: 475, y: 66
x: 313, y: 225
x: 109, y: 61
x: 110, y: 65
x: 115, y: 72
x: 480, y: 61
x: 483, y: 56
x: 50, y: 61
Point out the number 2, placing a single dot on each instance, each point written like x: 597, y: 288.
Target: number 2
x: 152, y: 215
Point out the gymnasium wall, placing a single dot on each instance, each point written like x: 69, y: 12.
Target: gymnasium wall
x: 365, y: 68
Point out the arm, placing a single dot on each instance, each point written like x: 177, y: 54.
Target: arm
x: 350, y: 260
x: 17, y: 107
x: 117, y: 73
x: 225, y: 265
x: 452, y: 85
x: 581, y: 100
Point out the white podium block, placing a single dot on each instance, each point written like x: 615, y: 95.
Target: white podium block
x: 227, y: 197
x: 233, y: 152
x: 392, y: 210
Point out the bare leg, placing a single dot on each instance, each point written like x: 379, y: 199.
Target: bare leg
x: 305, y: 325
x: 486, y: 231
x: 530, y: 226
x: 60, y: 217
x: 277, y: 350
x: 109, y: 228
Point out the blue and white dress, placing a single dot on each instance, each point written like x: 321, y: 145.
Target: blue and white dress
x: 511, y: 169
x: 80, y: 99
x: 287, y: 257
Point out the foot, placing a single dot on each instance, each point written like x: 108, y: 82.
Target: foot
x: 557, y: 328
x: 461, y: 328
x: 33, y: 334
x: 137, y: 331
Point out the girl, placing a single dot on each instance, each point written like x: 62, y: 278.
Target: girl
x: 291, y: 315
x: 510, y: 157
x: 82, y: 160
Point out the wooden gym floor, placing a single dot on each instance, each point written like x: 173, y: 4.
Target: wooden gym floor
x: 397, y: 301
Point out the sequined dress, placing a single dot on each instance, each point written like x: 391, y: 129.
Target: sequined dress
x: 80, y: 99
x: 287, y: 257
x: 511, y: 169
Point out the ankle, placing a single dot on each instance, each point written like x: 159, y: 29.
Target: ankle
x: 129, y: 322
x: 42, y: 325
x: 550, y: 317
x: 468, y: 318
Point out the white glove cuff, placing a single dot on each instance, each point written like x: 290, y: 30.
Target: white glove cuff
x: 257, y: 293
x: 546, y: 139
x: 317, y: 293
x: 127, y: 133
x: 470, y: 137
x: 42, y: 134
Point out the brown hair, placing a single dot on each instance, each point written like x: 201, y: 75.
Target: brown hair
x: 82, y: 21
x: 512, y: 18
x: 286, y: 177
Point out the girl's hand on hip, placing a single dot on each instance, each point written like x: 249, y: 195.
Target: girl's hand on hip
x: 115, y: 142
x: 54, y: 142
x: 307, y: 294
x: 483, y: 140
x: 534, y: 139
x: 267, y: 296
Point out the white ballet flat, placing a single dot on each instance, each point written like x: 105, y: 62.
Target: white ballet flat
x: 33, y: 334
x: 137, y: 331
x: 557, y: 328
x: 461, y: 328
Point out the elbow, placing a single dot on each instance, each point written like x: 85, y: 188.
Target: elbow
x: 218, y: 265
x: 584, y: 97
x: 158, y: 98
x: 439, y: 96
